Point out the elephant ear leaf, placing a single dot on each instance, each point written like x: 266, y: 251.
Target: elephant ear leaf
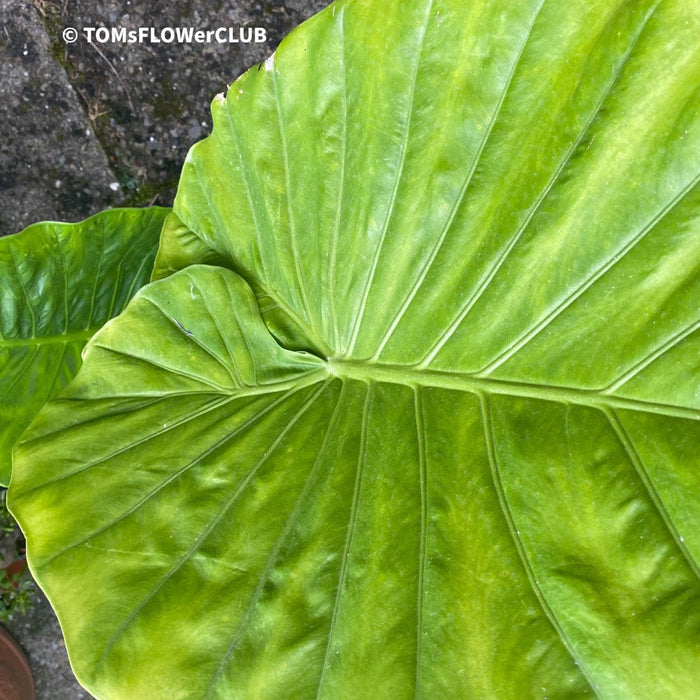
x: 59, y: 283
x: 412, y: 409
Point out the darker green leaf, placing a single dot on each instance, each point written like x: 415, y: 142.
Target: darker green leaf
x: 59, y: 283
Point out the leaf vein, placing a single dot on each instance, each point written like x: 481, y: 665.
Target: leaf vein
x: 397, y: 182
x: 350, y: 532
x: 59, y: 365
x: 425, y: 268
x: 165, y: 367
x: 542, y: 196
x: 518, y: 543
x: 584, y: 286
x: 235, y: 373
x: 274, y: 554
x: 27, y: 362
x: 192, y: 337
x: 98, y: 277
x: 294, y: 244
x: 175, y: 475
x: 423, y: 536
x: 638, y: 465
x: 204, y: 535
x: 135, y: 280
x: 64, y: 274
x: 20, y: 279
x: 651, y: 357
x: 249, y: 196
x: 456, y: 381
x: 335, y: 235
x: 126, y: 448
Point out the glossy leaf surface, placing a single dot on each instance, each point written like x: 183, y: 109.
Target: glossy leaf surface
x: 59, y: 283
x: 427, y: 423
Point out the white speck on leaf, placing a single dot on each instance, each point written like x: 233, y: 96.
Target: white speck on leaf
x: 270, y: 62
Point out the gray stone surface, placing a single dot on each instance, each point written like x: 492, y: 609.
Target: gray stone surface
x: 83, y: 127
x: 51, y: 163
x: 153, y: 99
x: 87, y: 125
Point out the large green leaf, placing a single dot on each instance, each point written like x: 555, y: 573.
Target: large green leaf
x: 59, y: 283
x: 429, y: 426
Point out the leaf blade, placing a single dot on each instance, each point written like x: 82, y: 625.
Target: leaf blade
x: 47, y: 312
x: 454, y: 507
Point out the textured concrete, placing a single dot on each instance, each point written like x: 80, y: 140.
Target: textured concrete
x: 90, y: 124
x: 153, y: 99
x: 51, y: 163
x: 81, y: 129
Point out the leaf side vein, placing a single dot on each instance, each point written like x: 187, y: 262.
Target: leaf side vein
x: 149, y: 257
x: 517, y: 346
x: 651, y: 357
x: 192, y: 337
x: 540, y: 199
x: 165, y: 367
x: 64, y: 275
x: 425, y: 268
x: 26, y: 363
x: 172, y: 477
x: 126, y: 448
x: 98, y: 277
x: 644, y: 476
x: 397, y: 182
x: 423, y: 535
x: 309, y: 316
x: 20, y: 279
x: 350, y: 532
x: 203, y: 536
x: 518, y: 544
x: 274, y: 554
x: 335, y: 235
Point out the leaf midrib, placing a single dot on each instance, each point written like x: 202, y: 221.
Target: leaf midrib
x: 457, y: 381
x: 57, y: 339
